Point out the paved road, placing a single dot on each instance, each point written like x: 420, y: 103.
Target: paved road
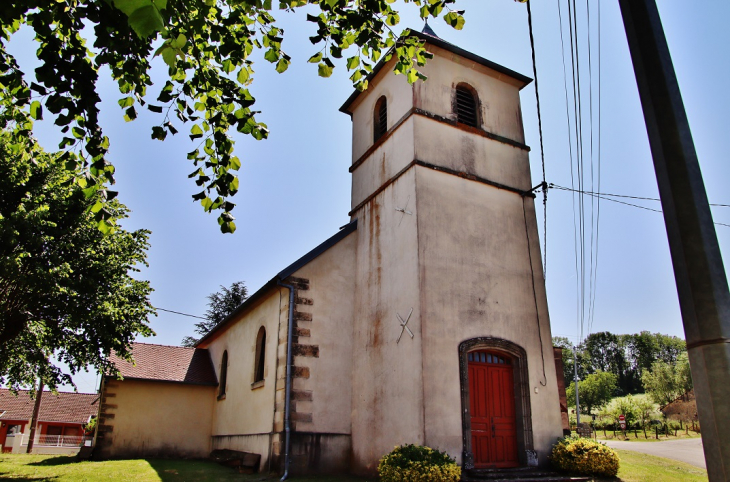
x: 687, y: 450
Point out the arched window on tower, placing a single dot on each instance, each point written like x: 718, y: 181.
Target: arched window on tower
x: 380, y: 118
x: 224, y: 375
x: 260, y: 355
x: 466, y: 106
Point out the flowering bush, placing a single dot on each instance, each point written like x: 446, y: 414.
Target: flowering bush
x: 584, y: 456
x: 414, y: 463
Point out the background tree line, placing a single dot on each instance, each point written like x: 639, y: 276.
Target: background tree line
x: 626, y: 357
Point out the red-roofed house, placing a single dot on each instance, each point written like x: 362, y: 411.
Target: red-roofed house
x: 162, y: 407
x: 60, y: 420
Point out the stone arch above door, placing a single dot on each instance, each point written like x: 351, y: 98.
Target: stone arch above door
x: 523, y: 409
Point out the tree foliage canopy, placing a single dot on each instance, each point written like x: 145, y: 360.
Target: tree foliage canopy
x: 220, y: 304
x: 595, y: 391
x: 66, y: 292
x: 626, y: 356
x: 666, y: 382
x: 207, y: 46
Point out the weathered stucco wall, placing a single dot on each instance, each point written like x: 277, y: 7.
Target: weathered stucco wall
x: 148, y: 419
x: 387, y: 386
x: 387, y: 160
x: 399, y: 95
x: 248, y: 408
x: 460, y: 260
x: 476, y: 281
x: 463, y: 151
x: 327, y: 376
x: 498, y: 94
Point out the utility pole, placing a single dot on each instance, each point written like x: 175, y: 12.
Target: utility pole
x: 702, y: 285
x: 577, y: 397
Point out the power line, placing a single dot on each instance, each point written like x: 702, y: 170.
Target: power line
x: 183, y: 314
x: 604, y: 197
x: 542, y: 150
x: 634, y: 197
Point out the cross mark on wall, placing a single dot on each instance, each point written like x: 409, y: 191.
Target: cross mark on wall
x: 404, y: 210
x: 403, y: 325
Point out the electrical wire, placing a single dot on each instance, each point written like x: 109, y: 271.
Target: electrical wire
x: 571, y: 129
x: 183, y: 314
x: 542, y: 149
x: 606, y: 197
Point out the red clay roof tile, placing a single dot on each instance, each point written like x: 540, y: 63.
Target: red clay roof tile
x: 66, y: 407
x: 168, y: 364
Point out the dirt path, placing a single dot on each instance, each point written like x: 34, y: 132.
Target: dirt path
x: 687, y: 450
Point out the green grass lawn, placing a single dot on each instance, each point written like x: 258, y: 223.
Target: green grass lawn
x: 636, y: 467
x: 52, y: 468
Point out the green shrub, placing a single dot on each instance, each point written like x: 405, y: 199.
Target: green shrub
x: 414, y: 463
x: 584, y: 456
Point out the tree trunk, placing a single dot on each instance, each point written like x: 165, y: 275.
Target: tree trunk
x: 34, y: 419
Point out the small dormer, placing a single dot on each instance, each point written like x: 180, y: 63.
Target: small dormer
x: 461, y: 119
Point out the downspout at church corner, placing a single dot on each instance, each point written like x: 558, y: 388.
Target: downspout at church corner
x: 287, y: 390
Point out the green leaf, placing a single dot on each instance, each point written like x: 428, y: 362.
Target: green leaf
x: 234, y: 163
x: 228, y: 66
x: 104, y: 227
x: 271, y: 55
x: 315, y: 58
x: 282, y: 65
x: 145, y: 21
x: 130, y: 114
x: 196, y: 132
x: 353, y: 62
x: 169, y: 56
x: 243, y: 75
x: 158, y: 133
x: 89, y: 191
x: 207, y: 204
x: 178, y: 42
x: 36, y: 110
x: 78, y: 132
x: 392, y: 19
x: 324, y: 70
x: 126, y: 102
x: 38, y: 88
x: 455, y: 20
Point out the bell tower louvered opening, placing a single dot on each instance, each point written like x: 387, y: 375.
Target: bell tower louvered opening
x: 380, y: 118
x: 466, y: 106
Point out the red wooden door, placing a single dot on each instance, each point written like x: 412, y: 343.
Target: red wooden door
x: 492, y: 406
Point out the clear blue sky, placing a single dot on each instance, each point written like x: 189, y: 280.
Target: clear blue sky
x: 295, y: 186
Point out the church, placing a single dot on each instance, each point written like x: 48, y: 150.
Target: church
x: 424, y: 320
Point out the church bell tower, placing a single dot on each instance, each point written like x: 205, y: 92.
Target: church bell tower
x: 452, y: 345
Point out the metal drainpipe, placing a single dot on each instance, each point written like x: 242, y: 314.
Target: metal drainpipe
x: 287, y: 401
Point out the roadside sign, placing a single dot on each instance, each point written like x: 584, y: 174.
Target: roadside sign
x: 622, y: 422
